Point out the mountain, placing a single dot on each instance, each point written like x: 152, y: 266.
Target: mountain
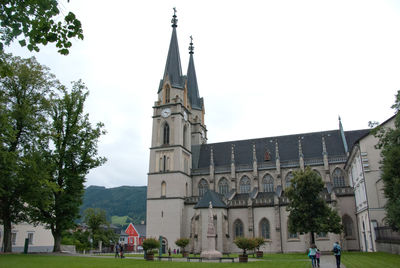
x: 119, y: 202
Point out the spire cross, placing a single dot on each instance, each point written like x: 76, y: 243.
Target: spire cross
x: 191, y: 47
x: 174, y: 20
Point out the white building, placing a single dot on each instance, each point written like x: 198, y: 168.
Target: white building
x: 363, y: 168
x: 40, y: 238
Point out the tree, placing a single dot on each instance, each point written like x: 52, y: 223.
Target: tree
x: 308, y: 210
x: 24, y: 105
x: 389, y: 143
x: 98, y: 225
x: 70, y: 155
x: 35, y: 23
x: 245, y: 244
x: 182, y: 243
x: 150, y: 244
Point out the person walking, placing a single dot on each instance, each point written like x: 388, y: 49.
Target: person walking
x: 317, y: 256
x: 117, y: 251
x: 337, y: 251
x: 311, y: 253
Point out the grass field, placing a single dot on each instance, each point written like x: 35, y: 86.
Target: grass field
x: 351, y: 260
x: 370, y: 260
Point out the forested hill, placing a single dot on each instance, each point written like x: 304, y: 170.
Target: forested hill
x: 122, y: 204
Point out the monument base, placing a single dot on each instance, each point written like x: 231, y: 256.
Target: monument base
x: 211, y: 254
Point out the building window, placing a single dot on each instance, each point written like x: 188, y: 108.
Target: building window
x: 163, y: 188
x: 203, y: 187
x: 288, y: 180
x: 264, y: 229
x: 238, y: 228
x: 338, y: 178
x: 293, y: 235
x: 184, y: 136
x: 322, y: 235
x: 166, y: 134
x: 223, y: 187
x: 30, y: 238
x: 167, y: 94
x: 244, y: 185
x: 13, y: 238
x: 268, y: 183
x: 348, y: 226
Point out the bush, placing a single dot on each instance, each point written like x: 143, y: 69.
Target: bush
x: 259, y: 241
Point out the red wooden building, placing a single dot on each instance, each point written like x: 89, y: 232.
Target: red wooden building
x: 136, y: 235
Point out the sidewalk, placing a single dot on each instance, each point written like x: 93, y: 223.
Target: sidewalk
x: 329, y: 261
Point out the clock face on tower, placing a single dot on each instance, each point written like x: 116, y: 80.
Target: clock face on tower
x: 166, y: 112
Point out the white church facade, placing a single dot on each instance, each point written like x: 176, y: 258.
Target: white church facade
x: 244, y: 180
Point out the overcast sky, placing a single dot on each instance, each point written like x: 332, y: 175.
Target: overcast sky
x: 264, y: 68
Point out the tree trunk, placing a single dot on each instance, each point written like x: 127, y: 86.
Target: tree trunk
x: 57, y: 241
x: 7, y: 235
x: 312, y: 238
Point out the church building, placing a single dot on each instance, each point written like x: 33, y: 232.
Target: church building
x: 244, y: 180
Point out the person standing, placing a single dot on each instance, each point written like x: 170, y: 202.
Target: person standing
x: 311, y: 253
x: 317, y: 256
x: 337, y: 251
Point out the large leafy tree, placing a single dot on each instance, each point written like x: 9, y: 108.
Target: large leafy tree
x: 99, y: 227
x: 24, y: 104
x: 309, y: 213
x: 389, y: 143
x: 70, y: 155
x: 37, y: 22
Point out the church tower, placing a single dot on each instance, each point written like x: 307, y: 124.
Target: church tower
x: 178, y: 123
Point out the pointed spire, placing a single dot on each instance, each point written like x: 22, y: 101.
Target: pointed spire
x: 346, y: 148
x: 233, y: 154
x: 173, y: 67
x: 255, y: 168
x: 212, y: 156
x: 301, y: 156
x: 324, y: 151
x: 325, y: 154
x: 193, y: 90
x: 276, y: 149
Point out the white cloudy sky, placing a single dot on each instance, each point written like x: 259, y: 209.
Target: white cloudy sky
x: 264, y: 68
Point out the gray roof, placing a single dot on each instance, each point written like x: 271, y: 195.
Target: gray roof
x: 193, y: 90
x: 141, y: 229
x: 213, y: 197
x: 173, y: 66
x: 288, y: 148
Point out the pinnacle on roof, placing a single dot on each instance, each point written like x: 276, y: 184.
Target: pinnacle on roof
x: 173, y: 67
x: 193, y: 90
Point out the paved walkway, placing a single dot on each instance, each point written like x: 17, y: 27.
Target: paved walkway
x: 329, y: 261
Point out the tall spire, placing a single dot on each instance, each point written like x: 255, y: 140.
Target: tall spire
x: 173, y: 66
x: 346, y: 148
x: 193, y: 90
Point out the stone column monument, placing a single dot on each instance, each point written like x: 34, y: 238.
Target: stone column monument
x: 210, y: 252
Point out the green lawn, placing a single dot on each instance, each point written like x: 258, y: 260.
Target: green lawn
x: 351, y: 260
x: 51, y: 261
x: 370, y: 260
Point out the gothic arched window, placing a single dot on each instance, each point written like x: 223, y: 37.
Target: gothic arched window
x: 238, y: 228
x: 223, y: 187
x: 268, y: 183
x: 348, y: 226
x: 244, y: 185
x: 203, y: 187
x: 167, y: 94
x: 166, y: 134
x: 317, y: 172
x: 163, y: 188
x: 185, y: 136
x: 338, y: 178
x: 288, y: 179
x: 264, y: 229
